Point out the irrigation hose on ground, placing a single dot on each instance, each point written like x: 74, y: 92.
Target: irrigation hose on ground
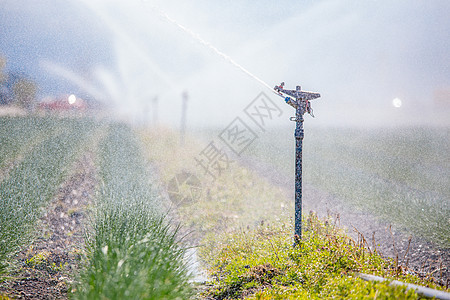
x: 421, y: 290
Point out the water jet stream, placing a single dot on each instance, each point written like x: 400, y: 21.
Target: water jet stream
x: 212, y: 47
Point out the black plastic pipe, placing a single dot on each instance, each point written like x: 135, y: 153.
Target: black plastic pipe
x: 421, y: 290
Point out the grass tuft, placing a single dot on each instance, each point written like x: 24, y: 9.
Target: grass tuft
x: 262, y: 264
x: 133, y: 252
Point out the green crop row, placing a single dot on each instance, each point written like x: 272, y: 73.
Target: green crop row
x: 16, y: 133
x: 30, y: 185
x: 133, y: 253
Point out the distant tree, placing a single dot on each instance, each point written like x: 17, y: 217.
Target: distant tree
x: 24, y: 91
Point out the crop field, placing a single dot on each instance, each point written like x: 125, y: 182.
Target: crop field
x: 40, y: 152
x: 244, y: 225
x: 400, y: 175
x: 130, y: 251
x: 115, y: 183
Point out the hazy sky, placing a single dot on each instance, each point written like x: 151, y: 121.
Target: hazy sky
x: 360, y: 55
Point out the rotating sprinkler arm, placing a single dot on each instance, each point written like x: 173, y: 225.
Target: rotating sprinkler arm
x: 300, y: 97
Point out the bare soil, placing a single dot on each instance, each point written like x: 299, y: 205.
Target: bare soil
x: 48, y: 267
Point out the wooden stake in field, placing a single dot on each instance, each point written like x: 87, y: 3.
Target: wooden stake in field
x: 183, y: 117
x: 301, y: 105
x: 155, y: 110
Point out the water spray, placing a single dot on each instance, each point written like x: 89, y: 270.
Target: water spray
x: 210, y: 46
x: 301, y: 104
x: 71, y: 76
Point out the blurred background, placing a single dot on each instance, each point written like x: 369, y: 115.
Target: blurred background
x: 375, y: 63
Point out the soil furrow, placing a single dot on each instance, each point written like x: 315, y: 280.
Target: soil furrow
x: 48, y: 267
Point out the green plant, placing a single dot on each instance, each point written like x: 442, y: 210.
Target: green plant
x: 35, y: 178
x: 42, y: 261
x: 132, y: 251
x: 262, y: 264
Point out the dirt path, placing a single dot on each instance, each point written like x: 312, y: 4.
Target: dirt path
x: 46, y: 269
x: 417, y: 254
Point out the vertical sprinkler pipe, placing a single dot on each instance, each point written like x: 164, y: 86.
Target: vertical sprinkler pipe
x: 301, y: 105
